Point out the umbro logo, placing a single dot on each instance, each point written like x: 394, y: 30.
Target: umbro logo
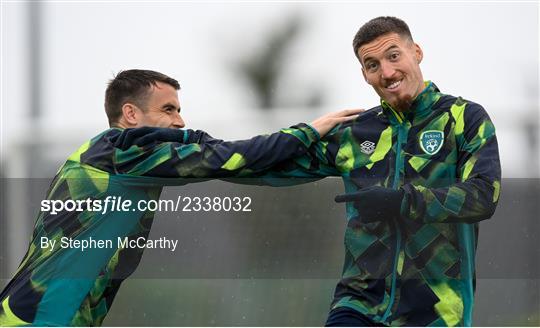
x: 367, y: 147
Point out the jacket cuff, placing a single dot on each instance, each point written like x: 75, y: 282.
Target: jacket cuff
x: 309, y: 135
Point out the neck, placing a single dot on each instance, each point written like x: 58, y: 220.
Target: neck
x: 122, y: 124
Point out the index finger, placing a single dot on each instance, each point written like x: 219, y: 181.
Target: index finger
x: 352, y: 111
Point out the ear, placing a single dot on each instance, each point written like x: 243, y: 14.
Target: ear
x: 362, y: 66
x: 418, y: 53
x: 129, y: 114
x: 364, y: 74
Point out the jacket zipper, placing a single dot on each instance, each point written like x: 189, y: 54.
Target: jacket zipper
x: 399, y: 118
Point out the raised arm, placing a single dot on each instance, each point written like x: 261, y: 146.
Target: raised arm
x: 205, y: 157
x: 474, y: 197
x: 201, y: 156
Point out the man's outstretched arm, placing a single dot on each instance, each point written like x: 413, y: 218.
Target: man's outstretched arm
x: 200, y: 156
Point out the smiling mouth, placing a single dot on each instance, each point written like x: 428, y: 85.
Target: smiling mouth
x: 394, y: 85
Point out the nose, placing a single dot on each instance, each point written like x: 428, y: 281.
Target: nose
x: 387, y: 70
x: 178, y: 122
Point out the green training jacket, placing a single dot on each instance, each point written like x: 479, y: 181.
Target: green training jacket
x: 419, y: 269
x: 68, y: 287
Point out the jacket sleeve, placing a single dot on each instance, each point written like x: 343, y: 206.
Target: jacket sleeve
x: 201, y: 156
x: 318, y: 162
x: 475, y: 194
x: 199, y: 137
x: 315, y: 164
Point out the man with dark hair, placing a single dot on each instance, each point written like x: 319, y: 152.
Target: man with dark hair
x: 380, y: 26
x: 64, y: 286
x: 132, y: 87
x: 420, y: 171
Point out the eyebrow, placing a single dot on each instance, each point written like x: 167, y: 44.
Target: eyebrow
x: 171, y: 105
x: 387, y: 49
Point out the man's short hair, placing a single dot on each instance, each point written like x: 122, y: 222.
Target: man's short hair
x: 132, y: 86
x: 377, y: 27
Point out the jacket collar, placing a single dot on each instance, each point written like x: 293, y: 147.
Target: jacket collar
x: 420, y: 107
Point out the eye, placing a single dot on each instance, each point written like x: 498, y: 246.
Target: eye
x: 394, y: 56
x: 371, y: 66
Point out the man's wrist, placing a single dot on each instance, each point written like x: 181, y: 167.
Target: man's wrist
x: 316, y: 134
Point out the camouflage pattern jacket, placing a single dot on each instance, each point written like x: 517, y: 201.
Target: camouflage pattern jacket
x: 66, y: 287
x: 418, y: 269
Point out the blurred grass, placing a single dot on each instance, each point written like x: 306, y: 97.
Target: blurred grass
x: 282, y: 302
x: 222, y: 302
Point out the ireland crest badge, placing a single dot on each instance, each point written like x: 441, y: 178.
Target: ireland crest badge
x: 431, y: 141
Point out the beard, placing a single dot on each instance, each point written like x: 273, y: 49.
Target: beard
x: 404, y: 103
